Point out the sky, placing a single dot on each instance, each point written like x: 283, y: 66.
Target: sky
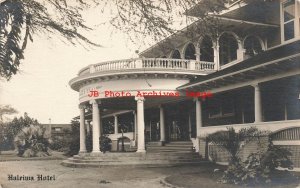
x: 41, y: 88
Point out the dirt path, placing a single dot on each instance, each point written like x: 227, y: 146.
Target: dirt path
x: 76, y: 177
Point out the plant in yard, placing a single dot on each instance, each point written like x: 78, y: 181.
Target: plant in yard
x: 32, y: 142
x: 105, y: 143
x: 232, y: 141
x: 260, y: 166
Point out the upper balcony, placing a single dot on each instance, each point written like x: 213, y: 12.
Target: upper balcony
x: 132, y: 68
x: 180, y: 66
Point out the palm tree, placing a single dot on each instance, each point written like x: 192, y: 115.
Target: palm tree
x: 20, y: 19
x: 232, y: 141
x: 32, y: 141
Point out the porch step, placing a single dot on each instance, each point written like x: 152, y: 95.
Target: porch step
x: 135, y: 159
x: 68, y: 163
x: 172, y: 154
x: 178, y: 146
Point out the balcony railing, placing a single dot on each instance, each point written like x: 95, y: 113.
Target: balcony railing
x: 149, y: 64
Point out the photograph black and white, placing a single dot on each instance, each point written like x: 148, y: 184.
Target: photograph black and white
x: 149, y: 93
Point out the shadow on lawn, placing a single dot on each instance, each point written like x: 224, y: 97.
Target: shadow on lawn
x: 206, y: 176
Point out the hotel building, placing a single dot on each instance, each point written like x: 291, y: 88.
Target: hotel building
x: 250, y: 62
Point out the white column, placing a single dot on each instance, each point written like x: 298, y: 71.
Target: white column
x: 197, y: 54
x: 198, y: 116
x: 162, y: 124
x: 190, y: 126
x: 96, y: 126
x: 241, y: 54
x: 257, y: 104
x: 141, y: 124
x: 116, y: 124
x: 135, y: 127
x: 216, y: 56
x: 82, y: 130
x: 88, y: 131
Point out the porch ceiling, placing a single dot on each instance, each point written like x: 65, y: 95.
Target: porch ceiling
x: 125, y: 104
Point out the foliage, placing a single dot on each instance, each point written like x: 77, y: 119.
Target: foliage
x: 21, y: 19
x: 231, y: 140
x: 61, y: 143
x: 32, y: 141
x: 9, y: 130
x: 258, y: 169
x: 73, y: 144
x: 6, y: 110
x: 260, y: 166
x: 105, y: 143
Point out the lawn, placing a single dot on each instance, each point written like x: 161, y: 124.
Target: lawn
x: 77, y: 177
x: 184, y: 176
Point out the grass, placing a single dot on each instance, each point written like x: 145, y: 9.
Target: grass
x: 206, y: 177
x: 12, y: 156
x: 203, y: 175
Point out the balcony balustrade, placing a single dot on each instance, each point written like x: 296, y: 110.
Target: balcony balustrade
x: 149, y: 64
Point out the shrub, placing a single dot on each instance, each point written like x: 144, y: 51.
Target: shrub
x: 105, y: 143
x: 231, y: 141
x: 32, y: 142
x: 260, y: 166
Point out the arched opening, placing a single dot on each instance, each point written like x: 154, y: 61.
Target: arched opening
x: 228, y: 48
x: 252, y: 46
x: 176, y: 54
x: 190, y: 52
x: 206, y: 50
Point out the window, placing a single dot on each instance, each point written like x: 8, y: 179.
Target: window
x: 58, y: 129
x: 228, y: 48
x: 288, y: 19
x: 206, y: 50
x: 190, y: 52
x: 176, y: 55
x: 252, y: 46
x: 219, y: 108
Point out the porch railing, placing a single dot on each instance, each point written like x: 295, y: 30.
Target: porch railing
x: 147, y: 64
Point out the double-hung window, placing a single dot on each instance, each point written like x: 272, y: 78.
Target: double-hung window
x: 288, y: 13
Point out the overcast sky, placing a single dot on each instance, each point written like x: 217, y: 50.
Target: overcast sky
x: 42, y: 88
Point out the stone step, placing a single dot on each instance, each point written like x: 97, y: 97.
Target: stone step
x: 148, y: 156
x: 186, y: 149
x: 172, y: 154
x: 169, y: 149
x: 132, y: 164
x: 134, y: 161
x: 179, y: 144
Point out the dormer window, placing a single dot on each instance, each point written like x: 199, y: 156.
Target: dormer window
x: 288, y: 13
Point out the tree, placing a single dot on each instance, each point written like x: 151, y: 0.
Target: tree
x: 260, y: 166
x: 12, y: 128
x: 231, y: 140
x: 21, y: 19
x: 32, y: 142
x: 6, y: 110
